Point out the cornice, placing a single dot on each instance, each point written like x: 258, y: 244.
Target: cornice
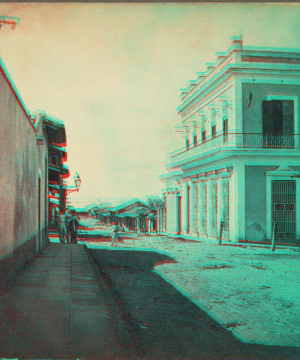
x: 243, y: 67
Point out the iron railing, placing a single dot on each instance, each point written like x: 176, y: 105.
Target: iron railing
x: 238, y: 140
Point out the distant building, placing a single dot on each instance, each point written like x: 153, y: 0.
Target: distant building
x: 57, y: 170
x: 239, y: 161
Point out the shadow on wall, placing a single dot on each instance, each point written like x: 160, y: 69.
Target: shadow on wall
x: 162, y: 322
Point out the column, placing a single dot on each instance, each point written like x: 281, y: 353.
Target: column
x: 162, y: 218
x: 224, y: 199
x: 169, y: 212
x: 211, y: 210
x: 193, y: 208
x: 184, y: 208
x: 175, y: 212
x: 173, y: 200
x: 202, y: 210
x: 165, y: 214
x: 166, y: 208
x: 238, y: 223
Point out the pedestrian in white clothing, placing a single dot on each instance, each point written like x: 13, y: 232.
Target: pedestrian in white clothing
x: 114, y: 235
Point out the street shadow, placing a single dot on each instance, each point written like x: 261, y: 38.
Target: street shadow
x: 165, y: 324
x: 133, y: 261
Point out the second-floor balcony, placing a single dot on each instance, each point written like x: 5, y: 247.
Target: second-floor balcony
x: 55, y: 161
x: 233, y: 141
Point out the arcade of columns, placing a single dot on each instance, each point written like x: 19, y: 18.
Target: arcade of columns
x: 198, y: 207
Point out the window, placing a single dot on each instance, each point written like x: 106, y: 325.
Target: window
x: 195, y: 140
x: 213, y: 131
x: 203, y: 135
x: 278, y: 123
x: 55, y: 160
x: 225, y: 126
x: 187, y: 142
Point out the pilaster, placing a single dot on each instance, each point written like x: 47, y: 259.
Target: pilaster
x: 202, y: 210
x: 193, y: 207
x: 184, y: 207
x: 224, y: 180
x: 239, y: 202
x: 212, y: 212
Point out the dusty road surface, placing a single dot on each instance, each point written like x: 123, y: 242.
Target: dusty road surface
x: 165, y: 324
x: 195, y: 299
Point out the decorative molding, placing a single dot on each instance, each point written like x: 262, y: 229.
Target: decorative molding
x: 283, y: 170
x: 224, y: 173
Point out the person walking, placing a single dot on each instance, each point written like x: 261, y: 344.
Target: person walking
x: 62, y: 227
x: 72, y: 228
x: 114, y: 235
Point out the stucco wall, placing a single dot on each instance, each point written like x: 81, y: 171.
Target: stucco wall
x: 18, y: 179
x: 255, y: 202
x: 252, y: 110
x: 42, y: 151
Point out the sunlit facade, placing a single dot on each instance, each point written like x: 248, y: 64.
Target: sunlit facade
x: 239, y: 163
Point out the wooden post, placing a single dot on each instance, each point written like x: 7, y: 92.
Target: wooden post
x: 273, y: 238
x: 221, y: 232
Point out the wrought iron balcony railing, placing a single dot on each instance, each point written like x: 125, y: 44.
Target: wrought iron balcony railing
x: 236, y: 140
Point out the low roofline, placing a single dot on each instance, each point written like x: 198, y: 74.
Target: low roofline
x: 128, y: 203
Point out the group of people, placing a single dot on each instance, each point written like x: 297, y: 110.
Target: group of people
x: 68, y: 227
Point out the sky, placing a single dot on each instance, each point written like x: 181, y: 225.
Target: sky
x: 112, y: 73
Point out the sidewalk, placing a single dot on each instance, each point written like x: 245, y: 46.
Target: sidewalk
x: 60, y: 308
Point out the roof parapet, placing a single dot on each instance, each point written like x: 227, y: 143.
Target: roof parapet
x: 237, y: 41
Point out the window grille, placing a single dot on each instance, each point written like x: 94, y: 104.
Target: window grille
x: 284, y: 209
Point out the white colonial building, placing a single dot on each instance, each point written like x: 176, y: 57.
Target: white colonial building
x: 240, y: 157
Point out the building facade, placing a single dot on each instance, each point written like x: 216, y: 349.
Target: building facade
x: 57, y: 171
x: 23, y: 179
x: 239, y: 164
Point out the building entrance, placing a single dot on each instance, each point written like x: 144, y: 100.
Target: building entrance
x: 284, y: 209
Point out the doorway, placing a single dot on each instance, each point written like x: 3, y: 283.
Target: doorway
x: 284, y: 209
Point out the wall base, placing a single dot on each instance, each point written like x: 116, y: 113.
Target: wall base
x: 19, y: 258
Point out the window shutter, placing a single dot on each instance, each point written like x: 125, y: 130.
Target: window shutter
x: 268, y: 127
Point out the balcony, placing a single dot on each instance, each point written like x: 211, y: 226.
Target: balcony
x: 55, y: 161
x: 233, y: 141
